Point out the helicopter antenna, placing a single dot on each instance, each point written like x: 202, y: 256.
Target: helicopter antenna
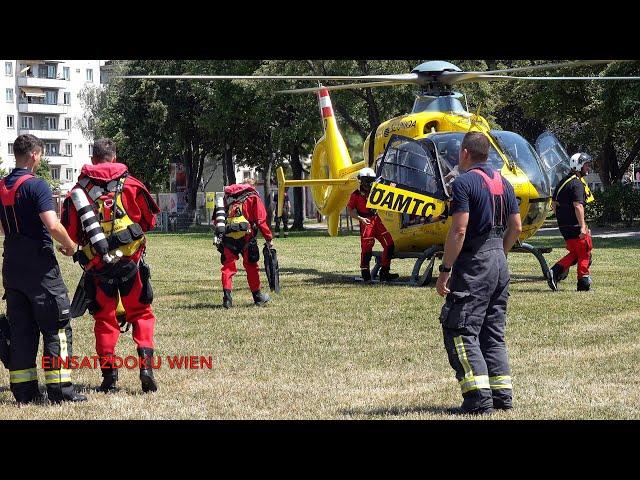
x: 466, y: 101
x: 474, y: 120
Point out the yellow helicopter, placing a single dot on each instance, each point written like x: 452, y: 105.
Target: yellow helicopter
x: 414, y: 155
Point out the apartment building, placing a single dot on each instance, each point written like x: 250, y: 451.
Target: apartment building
x: 41, y: 97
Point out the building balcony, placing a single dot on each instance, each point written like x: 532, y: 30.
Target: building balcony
x: 37, y: 107
x: 42, y: 82
x: 46, y: 134
x: 58, y: 160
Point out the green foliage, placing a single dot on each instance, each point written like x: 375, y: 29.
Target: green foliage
x: 44, y: 171
x: 615, y: 203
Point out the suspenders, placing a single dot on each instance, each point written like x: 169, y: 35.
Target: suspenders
x: 8, y: 200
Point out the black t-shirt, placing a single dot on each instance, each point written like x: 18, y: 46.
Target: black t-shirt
x: 572, y: 191
x: 470, y: 194
x: 32, y: 198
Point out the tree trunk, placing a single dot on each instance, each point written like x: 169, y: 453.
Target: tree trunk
x: 298, y: 193
x: 609, y: 161
x: 267, y: 188
x: 230, y: 171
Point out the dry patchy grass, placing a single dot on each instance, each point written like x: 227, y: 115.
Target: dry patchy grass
x: 328, y: 347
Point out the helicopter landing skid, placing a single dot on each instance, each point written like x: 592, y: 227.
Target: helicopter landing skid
x: 536, y: 252
x: 417, y: 279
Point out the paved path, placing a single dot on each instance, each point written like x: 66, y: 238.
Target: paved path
x: 543, y: 232
x: 596, y: 232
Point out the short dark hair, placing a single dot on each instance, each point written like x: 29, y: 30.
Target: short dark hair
x: 477, y: 144
x: 26, y: 144
x: 104, y: 149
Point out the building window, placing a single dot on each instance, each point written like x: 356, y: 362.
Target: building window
x: 69, y: 174
x: 67, y: 123
x: 8, y: 69
x: 50, y: 123
x: 91, y: 150
x: 51, y: 149
x: 89, y: 75
x: 66, y: 73
x: 50, y: 97
x: 55, y: 173
x: 47, y: 71
x: 10, y: 148
x: 9, y: 121
x: 67, y: 98
x: 68, y: 149
x: 9, y: 95
x: 26, y: 123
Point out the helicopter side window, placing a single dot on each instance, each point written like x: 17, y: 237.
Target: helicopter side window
x: 408, y: 164
x: 525, y: 157
x: 448, y: 145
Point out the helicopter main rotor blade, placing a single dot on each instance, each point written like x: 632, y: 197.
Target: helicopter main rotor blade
x: 380, y: 78
x: 348, y: 86
x: 451, y: 78
x: 494, y: 78
x: 550, y: 66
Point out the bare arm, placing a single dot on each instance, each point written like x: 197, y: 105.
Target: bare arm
x: 58, y: 232
x: 353, y: 213
x: 455, y: 238
x: 579, y: 208
x: 452, y: 248
x: 514, y: 229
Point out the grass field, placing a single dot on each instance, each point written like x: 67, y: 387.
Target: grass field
x: 330, y: 348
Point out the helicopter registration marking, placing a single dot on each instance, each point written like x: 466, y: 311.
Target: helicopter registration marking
x: 386, y: 197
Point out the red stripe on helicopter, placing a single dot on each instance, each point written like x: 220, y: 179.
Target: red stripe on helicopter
x: 327, y: 112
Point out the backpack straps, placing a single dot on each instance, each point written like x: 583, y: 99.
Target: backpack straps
x: 496, y: 189
x: 8, y: 199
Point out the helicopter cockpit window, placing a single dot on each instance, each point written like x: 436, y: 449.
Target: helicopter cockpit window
x: 408, y: 164
x: 448, y: 145
x: 555, y: 159
x: 525, y: 157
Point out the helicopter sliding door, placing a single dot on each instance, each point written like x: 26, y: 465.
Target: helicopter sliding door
x: 409, y: 181
x: 554, y: 158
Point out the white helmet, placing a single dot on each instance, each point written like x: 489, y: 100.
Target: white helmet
x: 367, y: 173
x: 577, y: 161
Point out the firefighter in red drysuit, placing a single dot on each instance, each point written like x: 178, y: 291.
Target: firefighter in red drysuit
x: 246, y: 215
x: 126, y: 210
x: 371, y: 229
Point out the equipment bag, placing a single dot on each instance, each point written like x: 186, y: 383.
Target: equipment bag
x: 271, y: 268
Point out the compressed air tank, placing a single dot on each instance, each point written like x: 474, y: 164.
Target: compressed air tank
x: 90, y: 222
x: 220, y: 215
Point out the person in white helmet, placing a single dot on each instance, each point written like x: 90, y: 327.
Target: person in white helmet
x: 371, y: 229
x: 568, y: 201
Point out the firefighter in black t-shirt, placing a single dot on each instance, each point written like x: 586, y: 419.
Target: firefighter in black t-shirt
x: 569, y: 198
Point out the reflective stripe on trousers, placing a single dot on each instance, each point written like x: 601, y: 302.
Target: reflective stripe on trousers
x: 21, y: 376
x: 470, y: 381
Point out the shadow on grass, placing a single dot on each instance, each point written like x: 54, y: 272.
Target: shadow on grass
x: 324, y: 277
x: 204, y: 306
x: 389, y: 411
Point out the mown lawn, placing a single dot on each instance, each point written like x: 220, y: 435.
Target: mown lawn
x: 329, y: 347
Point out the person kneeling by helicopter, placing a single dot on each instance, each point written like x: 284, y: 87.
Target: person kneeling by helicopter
x: 568, y: 203
x: 107, y: 213
x: 371, y: 229
x: 245, y: 215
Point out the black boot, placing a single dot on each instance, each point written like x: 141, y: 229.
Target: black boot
x: 555, y: 275
x: 385, y: 276
x: 66, y: 393
x: 584, y: 284
x: 227, y: 301
x: 146, y: 372
x: 109, y: 380
x: 260, y: 298
x: 366, y: 274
